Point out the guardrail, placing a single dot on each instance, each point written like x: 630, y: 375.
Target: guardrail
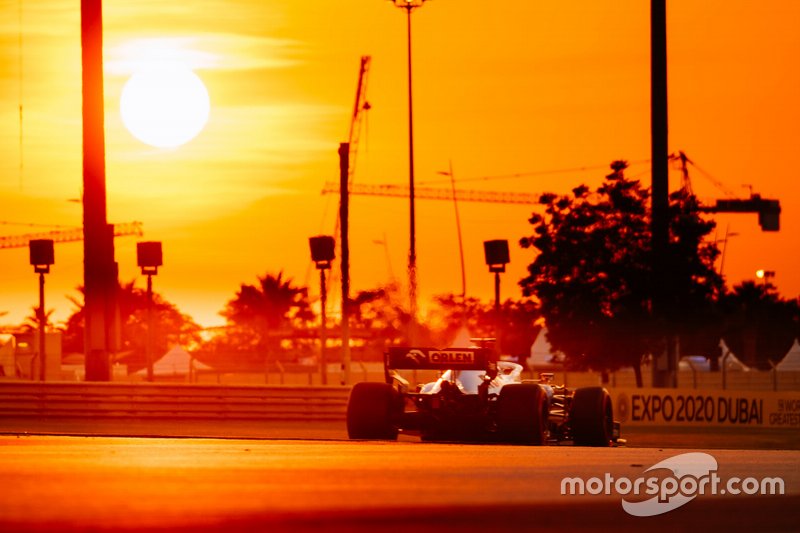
x: 155, y: 400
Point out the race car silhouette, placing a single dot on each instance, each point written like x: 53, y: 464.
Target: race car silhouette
x: 477, y: 398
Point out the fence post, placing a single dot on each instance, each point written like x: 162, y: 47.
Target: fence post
x: 282, y: 371
x: 725, y: 370
x: 694, y: 373
x: 774, y: 376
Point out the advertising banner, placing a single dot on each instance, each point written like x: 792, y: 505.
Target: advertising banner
x: 678, y: 407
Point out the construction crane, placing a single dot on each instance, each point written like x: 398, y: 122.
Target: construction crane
x: 432, y: 193
x: 357, y: 119
x: 769, y: 210
x: 68, y: 235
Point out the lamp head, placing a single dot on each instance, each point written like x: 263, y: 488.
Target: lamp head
x: 497, y: 255
x: 323, y: 250
x: 42, y: 255
x: 149, y: 257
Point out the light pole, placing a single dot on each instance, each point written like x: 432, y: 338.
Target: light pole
x: 149, y: 258
x: 100, y: 270
x: 409, y: 6
x: 344, y: 233
x: 666, y: 362
x: 497, y: 257
x: 322, y: 253
x: 41, y: 257
x: 765, y: 276
x: 728, y: 235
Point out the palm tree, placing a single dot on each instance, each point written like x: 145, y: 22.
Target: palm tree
x: 31, y: 322
x: 380, y: 319
x: 260, y: 315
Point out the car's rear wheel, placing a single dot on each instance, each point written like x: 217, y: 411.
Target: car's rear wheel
x: 591, y: 417
x: 522, y: 414
x: 372, y: 412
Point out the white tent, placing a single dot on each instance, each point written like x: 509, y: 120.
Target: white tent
x: 699, y: 363
x: 176, y: 362
x: 8, y: 355
x: 791, y: 361
x: 542, y: 354
x: 731, y: 361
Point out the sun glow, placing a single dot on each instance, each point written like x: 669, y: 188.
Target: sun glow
x: 165, y: 105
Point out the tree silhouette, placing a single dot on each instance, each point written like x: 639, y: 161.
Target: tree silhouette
x: 31, y: 322
x: 378, y: 317
x: 451, y: 313
x: 592, y: 275
x: 518, y: 322
x: 695, y: 288
x: 170, y: 326
x: 759, y: 326
x: 261, y: 315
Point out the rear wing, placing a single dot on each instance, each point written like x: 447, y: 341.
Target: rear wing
x: 400, y: 358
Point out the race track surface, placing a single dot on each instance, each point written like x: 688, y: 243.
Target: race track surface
x: 730, y: 438
x: 58, y: 483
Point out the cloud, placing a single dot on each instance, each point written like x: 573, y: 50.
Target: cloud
x: 218, y: 51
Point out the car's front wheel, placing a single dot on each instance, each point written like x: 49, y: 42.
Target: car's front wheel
x: 591, y: 417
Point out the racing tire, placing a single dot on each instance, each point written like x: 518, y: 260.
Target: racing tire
x: 591, y: 417
x: 372, y: 411
x: 523, y: 411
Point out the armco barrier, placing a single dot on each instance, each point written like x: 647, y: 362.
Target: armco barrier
x: 148, y: 400
x: 632, y: 406
x: 714, y: 408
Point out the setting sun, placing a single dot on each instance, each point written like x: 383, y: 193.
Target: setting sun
x: 165, y: 105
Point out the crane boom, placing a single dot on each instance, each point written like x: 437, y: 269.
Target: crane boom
x: 432, y: 193
x: 70, y: 235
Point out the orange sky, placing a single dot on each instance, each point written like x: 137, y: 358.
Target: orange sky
x: 500, y: 89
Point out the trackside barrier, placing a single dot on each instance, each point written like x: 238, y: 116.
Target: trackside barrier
x: 632, y: 406
x: 713, y: 408
x: 148, y: 400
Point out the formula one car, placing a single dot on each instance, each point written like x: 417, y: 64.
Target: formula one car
x: 477, y: 398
